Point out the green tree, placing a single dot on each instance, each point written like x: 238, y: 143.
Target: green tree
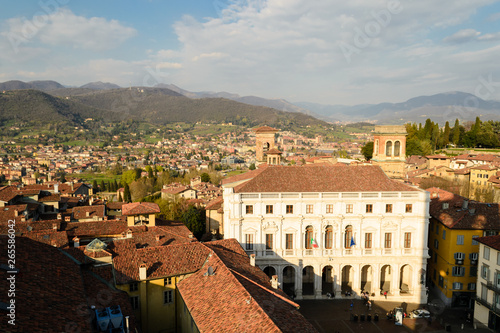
x: 103, y: 187
x: 252, y: 166
x: 367, y: 150
x: 205, y: 177
x: 94, y: 186
x: 456, y: 132
x: 446, y: 134
x: 120, y: 199
x: 194, y: 220
x: 126, y: 193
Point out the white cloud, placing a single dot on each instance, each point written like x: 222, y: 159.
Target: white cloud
x: 490, y: 37
x: 462, y: 36
x: 63, y: 27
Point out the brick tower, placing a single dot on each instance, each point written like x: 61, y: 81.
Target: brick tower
x: 264, y: 137
x: 389, y: 149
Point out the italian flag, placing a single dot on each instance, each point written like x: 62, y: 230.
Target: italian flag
x: 313, y: 243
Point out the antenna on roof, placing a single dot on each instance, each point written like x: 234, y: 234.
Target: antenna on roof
x: 209, y: 272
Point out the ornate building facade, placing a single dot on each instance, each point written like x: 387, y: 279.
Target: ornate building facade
x: 331, y: 230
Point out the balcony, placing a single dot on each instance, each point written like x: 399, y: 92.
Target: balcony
x: 407, y: 251
x: 387, y: 251
x: 348, y: 252
x: 328, y: 252
x: 495, y: 307
x: 289, y: 253
x: 492, y: 286
x: 368, y: 252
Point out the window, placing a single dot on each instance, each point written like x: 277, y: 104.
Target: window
x: 289, y: 209
x: 474, y: 242
x: 309, y: 209
x: 436, y: 244
x: 460, y: 239
x: 473, y: 271
x: 134, y: 286
x: 478, y: 182
x: 329, y: 237
x: 457, y: 285
x: 458, y: 271
x: 407, y: 240
x: 167, y: 281
x: 471, y: 286
x: 329, y: 209
x: 249, y: 209
x: 135, y: 302
x: 269, y: 241
x: 348, y: 208
x: 486, y: 253
x: 409, y: 208
x: 437, y: 229
x: 397, y: 147
x: 484, y: 292
x: 473, y: 258
x: 441, y: 281
x: 497, y: 279
x: 459, y: 256
x: 368, y: 240
x: 369, y: 208
x: 289, y: 241
x: 269, y: 209
x: 249, y: 242
x: 388, y: 148
x: 309, y: 237
x: 388, y: 240
x: 348, y: 237
x: 498, y: 258
x: 168, y: 296
x: 485, y: 272
x: 444, y: 233
x: 388, y: 208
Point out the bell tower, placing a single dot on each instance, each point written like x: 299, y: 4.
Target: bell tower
x: 389, y: 149
x: 264, y: 141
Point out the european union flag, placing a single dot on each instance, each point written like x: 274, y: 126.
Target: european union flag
x: 352, y: 241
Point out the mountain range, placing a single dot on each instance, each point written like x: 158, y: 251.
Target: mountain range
x: 154, y: 101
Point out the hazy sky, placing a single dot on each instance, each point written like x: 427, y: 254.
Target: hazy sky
x: 324, y: 51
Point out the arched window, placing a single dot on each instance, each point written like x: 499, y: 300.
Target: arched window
x: 348, y: 237
x: 375, y: 148
x: 397, y: 148
x: 329, y: 237
x: 309, y: 237
x: 265, y: 146
x: 388, y: 148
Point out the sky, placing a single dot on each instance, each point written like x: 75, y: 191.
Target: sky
x: 320, y: 51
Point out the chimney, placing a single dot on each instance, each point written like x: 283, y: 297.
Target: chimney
x: 127, y: 325
x: 23, y: 219
x: 91, y: 201
x: 472, y: 211
x: 56, y: 188
x: 76, y: 242
x: 16, y: 213
x: 190, y: 235
x: 72, y: 187
x: 129, y: 233
x: 54, y: 226
x: 446, y: 205
x: 87, y: 214
x: 67, y: 218
x: 252, y: 259
x: 274, y: 282
x: 157, y: 238
x: 465, y: 204
x: 59, y: 216
x: 142, y: 271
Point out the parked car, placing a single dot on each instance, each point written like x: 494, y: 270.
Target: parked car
x: 420, y: 313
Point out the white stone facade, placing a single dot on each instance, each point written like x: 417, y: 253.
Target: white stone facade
x: 389, y: 230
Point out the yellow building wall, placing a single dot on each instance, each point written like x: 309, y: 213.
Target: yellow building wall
x: 185, y: 321
x: 479, y: 183
x: 445, y: 257
x: 154, y: 315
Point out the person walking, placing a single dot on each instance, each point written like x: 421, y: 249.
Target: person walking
x: 385, y: 294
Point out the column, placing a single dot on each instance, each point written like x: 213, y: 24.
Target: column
x: 318, y: 281
x: 337, y: 282
x: 298, y: 280
x: 376, y: 279
x: 356, y: 283
x: 395, y: 279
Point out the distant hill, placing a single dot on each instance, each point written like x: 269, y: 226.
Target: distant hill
x: 38, y: 85
x: 278, y: 104
x: 100, y: 86
x: 439, y: 107
x: 37, y: 107
x: 153, y: 105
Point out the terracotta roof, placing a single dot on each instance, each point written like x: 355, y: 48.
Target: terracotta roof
x: 56, y: 279
x: 491, y: 241
x: 136, y: 208
x: 115, y: 205
x: 265, y: 129
x: 477, y: 215
x: 245, y: 176
x: 274, y: 151
x: 251, y: 304
x: 322, y: 179
x: 484, y: 167
x: 50, y: 198
x: 7, y: 193
x: 176, y: 189
x: 81, y: 212
x: 215, y: 204
x: 161, y: 261
x: 434, y: 157
x: 416, y: 159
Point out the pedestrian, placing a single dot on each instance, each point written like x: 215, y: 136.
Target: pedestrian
x: 385, y: 294
x: 369, y: 305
